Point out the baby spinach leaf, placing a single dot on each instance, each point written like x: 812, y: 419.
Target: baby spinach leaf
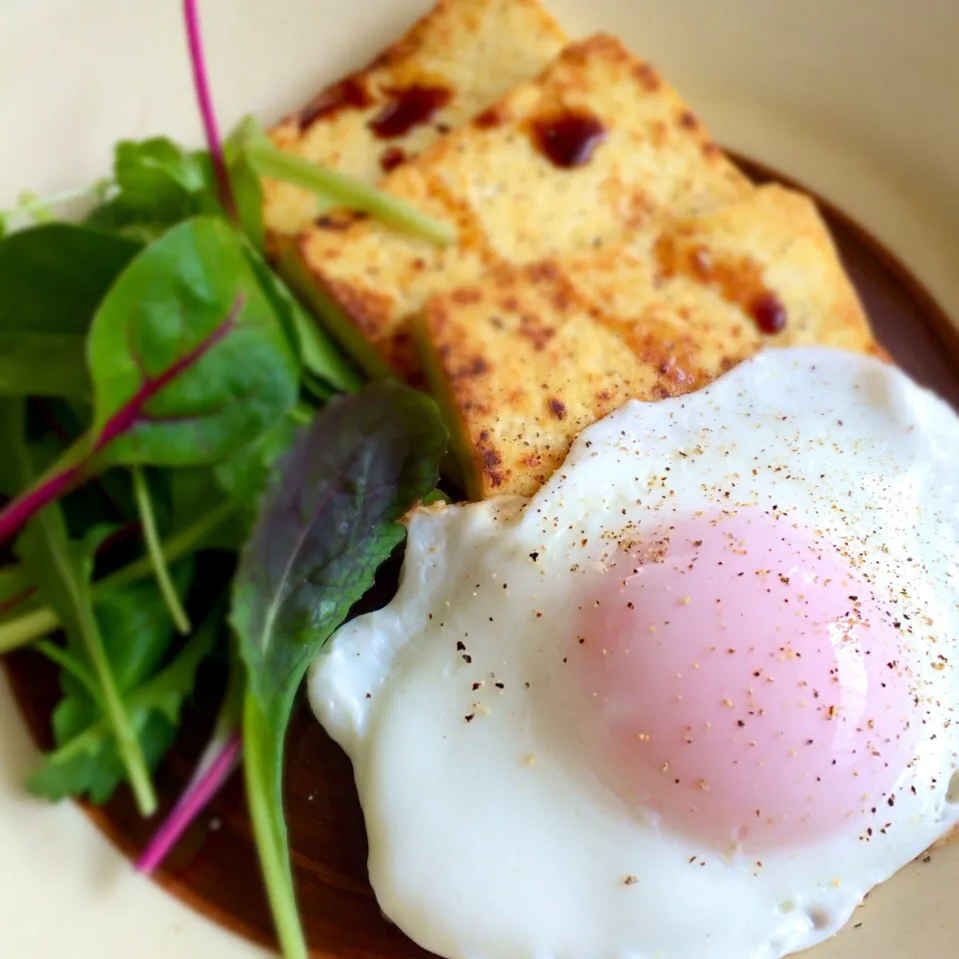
x: 188, y: 359
x: 52, y: 278
x: 61, y: 569
x: 42, y: 364
x: 86, y: 760
x: 329, y: 519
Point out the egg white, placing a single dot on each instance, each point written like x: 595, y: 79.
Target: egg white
x: 489, y: 837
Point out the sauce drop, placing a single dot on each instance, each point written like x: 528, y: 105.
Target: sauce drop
x: 349, y: 94
x: 738, y: 279
x: 769, y: 313
x: 568, y: 139
x: 409, y: 107
x: 391, y: 158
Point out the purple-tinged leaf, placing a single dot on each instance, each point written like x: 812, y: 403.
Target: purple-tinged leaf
x: 330, y: 518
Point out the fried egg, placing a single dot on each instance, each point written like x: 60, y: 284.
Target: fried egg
x: 693, y: 700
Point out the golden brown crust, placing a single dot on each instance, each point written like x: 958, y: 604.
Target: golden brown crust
x: 526, y: 359
x: 637, y: 158
x: 474, y: 50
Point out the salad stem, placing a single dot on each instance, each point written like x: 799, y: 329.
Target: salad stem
x: 26, y: 628
x: 263, y: 793
x: 41, y: 622
x: 223, y: 753
x: 18, y: 513
x: 348, y: 192
x: 205, y: 100
x: 205, y: 783
x: 155, y: 552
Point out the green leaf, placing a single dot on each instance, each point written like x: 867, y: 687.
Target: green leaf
x: 158, y: 176
x: 245, y: 181
x: 160, y: 185
x: 219, y: 527
x: 86, y: 760
x: 61, y: 570
x: 319, y: 355
x: 196, y: 494
x: 95, y: 772
x: 137, y: 629
x: 329, y: 519
x: 244, y: 475
x: 137, y: 633
x: 52, y: 278
x: 188, y: 359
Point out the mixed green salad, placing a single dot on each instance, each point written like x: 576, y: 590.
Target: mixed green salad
x: 190, y: 469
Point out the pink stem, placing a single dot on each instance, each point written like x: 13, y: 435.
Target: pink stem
x: 18, y: 513
x: 202, y: 85
x: 132, y: 411
x: 195, y: 798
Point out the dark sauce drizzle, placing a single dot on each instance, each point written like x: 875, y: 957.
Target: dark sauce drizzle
x: 568, y: 139
x: 349, y: 94
x: 408, y: 107
x: 769, y: 313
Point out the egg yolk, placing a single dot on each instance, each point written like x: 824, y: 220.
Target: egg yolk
x: 737, y: 678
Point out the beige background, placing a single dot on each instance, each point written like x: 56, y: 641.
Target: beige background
x: 857, y: 99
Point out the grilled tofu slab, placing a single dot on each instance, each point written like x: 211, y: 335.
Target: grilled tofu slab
x: 597, y: 148
x: 525, y: 358
x: 452, y: 63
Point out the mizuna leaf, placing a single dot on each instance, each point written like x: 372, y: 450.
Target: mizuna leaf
x: 61, y: 569
x: 86, y: 761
